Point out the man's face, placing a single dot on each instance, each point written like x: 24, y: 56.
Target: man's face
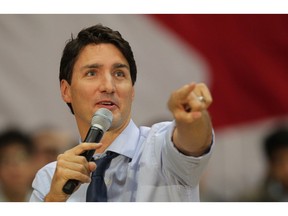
x: 101, y: 79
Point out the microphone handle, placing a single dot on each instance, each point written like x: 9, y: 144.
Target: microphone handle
x: 94, y: 134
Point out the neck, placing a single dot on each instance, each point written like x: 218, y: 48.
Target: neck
x: 111, y: 135
x: 108, y: 137
x: 106, y: 141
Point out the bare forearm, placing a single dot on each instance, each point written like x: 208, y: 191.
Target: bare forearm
x: 193, y: 139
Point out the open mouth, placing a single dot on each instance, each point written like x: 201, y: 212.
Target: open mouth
x: 107, y: 104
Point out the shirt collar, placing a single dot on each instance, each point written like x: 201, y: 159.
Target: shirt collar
x: 126, y: 143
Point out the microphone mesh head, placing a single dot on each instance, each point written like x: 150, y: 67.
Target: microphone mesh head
x: 103, y: 118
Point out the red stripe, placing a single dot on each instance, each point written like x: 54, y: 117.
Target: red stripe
x: 248, y: 57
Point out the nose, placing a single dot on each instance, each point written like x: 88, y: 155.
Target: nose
x: 107, y: 84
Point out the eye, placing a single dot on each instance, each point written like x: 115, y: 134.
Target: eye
x: 90, y: 73
x: 119, y: 74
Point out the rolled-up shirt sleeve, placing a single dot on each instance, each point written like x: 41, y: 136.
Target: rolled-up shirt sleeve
x: 185, y: 169
x: 41, y: 183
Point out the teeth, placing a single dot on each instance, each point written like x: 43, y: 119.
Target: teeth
x: 106, y: 103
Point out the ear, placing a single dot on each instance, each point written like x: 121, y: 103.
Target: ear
x: 65, y: 91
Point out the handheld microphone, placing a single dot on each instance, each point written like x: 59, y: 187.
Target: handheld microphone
x: 101, y: 122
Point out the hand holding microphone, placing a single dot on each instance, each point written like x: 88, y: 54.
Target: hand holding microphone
x: 100, y: 123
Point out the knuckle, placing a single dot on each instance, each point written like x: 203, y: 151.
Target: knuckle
x: 83, y: 160
x: 83, y: 169
x: 60, y: 163
x: 60, y: 157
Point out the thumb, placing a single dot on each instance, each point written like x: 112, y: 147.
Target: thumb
x: 92, y: 166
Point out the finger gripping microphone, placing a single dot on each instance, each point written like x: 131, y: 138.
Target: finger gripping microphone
x: 101, y: 122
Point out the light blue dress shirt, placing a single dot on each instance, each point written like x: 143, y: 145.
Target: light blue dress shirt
x: 149, y: 168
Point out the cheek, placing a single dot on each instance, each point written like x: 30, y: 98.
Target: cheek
x: 130, y: 93
x: 125, y: 91
x: 129, y: 97
x: 81, y: 92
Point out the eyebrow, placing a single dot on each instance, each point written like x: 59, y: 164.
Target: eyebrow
x: 89, y: 66
x: 120, y: 65
x: 114, y: 66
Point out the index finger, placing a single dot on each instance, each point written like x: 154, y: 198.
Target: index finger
x: 82, y: 147
x: 185, y: 91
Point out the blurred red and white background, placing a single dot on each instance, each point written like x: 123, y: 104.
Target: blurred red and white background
x: 242, y: 58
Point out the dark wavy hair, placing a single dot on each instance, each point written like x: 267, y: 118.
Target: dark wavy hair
x: 96, y: 34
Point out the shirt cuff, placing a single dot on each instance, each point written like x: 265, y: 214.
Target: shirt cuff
x: 172, y: 145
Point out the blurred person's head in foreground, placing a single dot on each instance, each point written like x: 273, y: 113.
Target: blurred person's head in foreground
x: 16, y: 153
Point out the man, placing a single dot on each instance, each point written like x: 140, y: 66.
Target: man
x: 274, y: 185
x: 161, y: 163
x: 16, y: 166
